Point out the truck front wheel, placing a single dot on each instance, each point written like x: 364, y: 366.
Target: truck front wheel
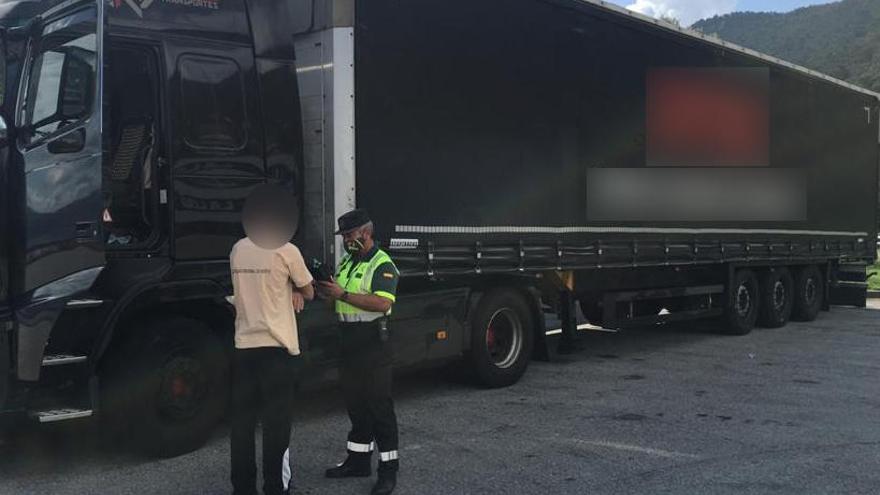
x: 502, y: 338
x: 169, y: 387
x: 742, y: 311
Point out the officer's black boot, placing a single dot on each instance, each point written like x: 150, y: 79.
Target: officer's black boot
x: 385, y: 484
x: 387, y: 477
x: 356, y: 465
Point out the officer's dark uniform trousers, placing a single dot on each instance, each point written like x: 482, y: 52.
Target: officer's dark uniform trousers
x: 366, y: 384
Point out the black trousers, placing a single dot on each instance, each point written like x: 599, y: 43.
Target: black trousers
x: 263, y: 382
x: 366, y: 386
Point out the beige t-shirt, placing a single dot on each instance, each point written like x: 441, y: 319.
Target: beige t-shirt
x: 263, y: 282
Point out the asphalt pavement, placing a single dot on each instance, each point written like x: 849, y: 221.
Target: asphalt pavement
x: 652, y: 411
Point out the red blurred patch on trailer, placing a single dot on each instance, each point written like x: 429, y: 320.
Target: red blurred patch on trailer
x: 706, y: 117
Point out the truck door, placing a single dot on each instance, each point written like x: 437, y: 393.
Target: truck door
x: 59, y: 121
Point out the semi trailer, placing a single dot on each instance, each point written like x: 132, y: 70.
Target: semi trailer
x: 517, y: 157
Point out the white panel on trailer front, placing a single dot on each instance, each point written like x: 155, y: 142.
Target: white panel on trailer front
x: 343, y: 121
x: 325, y: 69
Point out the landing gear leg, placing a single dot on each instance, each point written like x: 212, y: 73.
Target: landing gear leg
x: 568, y: 315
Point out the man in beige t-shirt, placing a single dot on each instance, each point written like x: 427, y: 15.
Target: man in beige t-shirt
x: 265, y: 283
x: 271, y: 284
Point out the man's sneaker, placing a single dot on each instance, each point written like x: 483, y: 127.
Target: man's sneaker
x: 356, y: 465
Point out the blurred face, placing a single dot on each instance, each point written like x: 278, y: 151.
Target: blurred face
x: 268, y: 234
x: 270, y: 217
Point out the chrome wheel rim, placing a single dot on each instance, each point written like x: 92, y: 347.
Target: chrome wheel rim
x: 504, y: 338
x: 779, y: 296
x: 743, y: 300
x: 811, y: 291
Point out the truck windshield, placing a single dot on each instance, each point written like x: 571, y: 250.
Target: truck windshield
x: 62, y: 74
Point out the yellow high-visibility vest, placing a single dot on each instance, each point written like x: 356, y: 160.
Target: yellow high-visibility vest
x: 356, y: 277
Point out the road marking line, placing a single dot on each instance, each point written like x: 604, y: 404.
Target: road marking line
x: 635, y: 448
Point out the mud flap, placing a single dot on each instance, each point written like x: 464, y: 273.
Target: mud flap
x: 540, y: 351
x: 849, y: 286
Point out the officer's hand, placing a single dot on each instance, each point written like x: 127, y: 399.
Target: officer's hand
x: 331, y: 290
x: 299, y: 301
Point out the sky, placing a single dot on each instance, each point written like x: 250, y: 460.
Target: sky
x: 690, y: 11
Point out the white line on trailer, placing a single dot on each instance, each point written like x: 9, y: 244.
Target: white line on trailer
x: 462, y: 229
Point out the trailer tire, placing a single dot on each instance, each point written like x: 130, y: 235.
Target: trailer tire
x: 777, y: 298
x: 743, y: 308
x: 809, y: 294
x: 502, y: 338
x: 169, y: 387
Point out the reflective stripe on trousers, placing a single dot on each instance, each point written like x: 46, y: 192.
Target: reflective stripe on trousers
x: 388, y: 456
x: 286, y: 474
x: 361, y: 448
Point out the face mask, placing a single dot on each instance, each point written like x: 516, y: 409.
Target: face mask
x: 354, y: 246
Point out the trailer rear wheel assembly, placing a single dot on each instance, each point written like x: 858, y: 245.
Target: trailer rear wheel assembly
x: 502, y: 338
x: 809, y: 294
x: 743, y: 308
x: 171, y: 386
x: 777, y: 298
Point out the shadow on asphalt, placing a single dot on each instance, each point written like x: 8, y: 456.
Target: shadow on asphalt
x: 43, y: 449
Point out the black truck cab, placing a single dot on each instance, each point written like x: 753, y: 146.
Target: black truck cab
x: 132, y: 132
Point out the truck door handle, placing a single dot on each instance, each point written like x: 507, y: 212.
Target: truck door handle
x: 72, y: 142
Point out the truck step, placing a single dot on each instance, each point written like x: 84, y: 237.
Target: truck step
x: 63, y: 359
x: 84, y: 303
x: 56, y: 415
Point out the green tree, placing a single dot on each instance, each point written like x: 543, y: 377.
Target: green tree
x: 840, y: 39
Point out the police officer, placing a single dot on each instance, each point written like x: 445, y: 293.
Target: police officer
x: 364, y: 291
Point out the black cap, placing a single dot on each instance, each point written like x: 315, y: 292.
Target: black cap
x: 353, y: 220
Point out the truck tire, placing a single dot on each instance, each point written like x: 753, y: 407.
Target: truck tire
x: 809, y: 293
x: 168, y: 388
x: 777, y: 298
x: 744, y: 303
x: 502, y: 338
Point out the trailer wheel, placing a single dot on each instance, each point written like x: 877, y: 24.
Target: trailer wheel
x: 809, y: 294
x: 777, y: 298
x: 742, y: 311
x: 169, y: 387
x: 502, y: 338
